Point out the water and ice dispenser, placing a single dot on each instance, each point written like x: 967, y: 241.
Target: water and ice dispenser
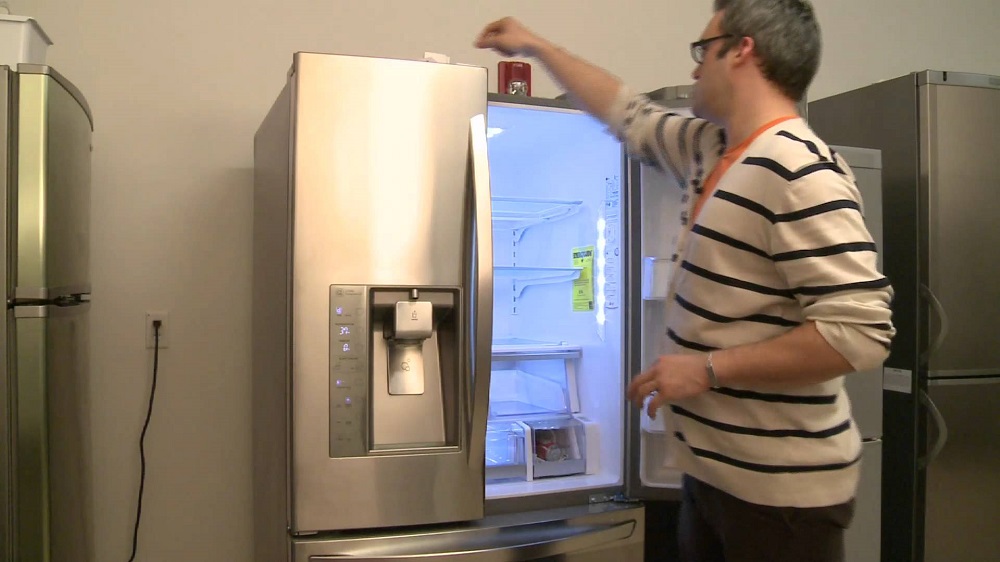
x: 404, y: 394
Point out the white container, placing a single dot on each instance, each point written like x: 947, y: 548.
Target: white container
x: 656, y: 274
x: 22, y: 41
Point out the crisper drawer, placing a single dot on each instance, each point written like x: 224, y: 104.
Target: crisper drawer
x: 541, y: 447
x: 588, y: 533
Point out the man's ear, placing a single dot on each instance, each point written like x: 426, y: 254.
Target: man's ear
x: 744, y: 50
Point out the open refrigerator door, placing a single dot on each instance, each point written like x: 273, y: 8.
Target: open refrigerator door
x: 654, y: 207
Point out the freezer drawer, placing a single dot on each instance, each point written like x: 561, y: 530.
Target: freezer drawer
x: 963, y: 490
x: 588, y: 533
x: 863, y: 540
x: 53, y: 471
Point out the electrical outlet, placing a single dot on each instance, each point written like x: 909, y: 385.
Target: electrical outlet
x: 163, y: 317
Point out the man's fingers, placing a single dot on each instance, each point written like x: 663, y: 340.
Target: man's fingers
x: 634, y: 386
x: 659, y: 400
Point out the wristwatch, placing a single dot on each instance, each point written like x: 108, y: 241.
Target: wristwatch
x: 713, y: 381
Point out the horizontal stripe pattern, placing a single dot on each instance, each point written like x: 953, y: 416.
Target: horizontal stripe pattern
x: 728, y: 240
x: 810, y: 145
x: 881, y: 283
x: 815, y: 210
x: 737, y: 283
x: 791, y: 175
x: 771, y: 468
x: 689, y: 344
x: 776, y: 398
x: 757, y: 432
x: 781, y: 241
x: 714, y: 317
x: 791, y: 216
x: 826, y: 251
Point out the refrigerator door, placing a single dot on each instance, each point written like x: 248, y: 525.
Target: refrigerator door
x: 53, y: 433
x: 8, y: 444
x: 53, y: 187
x: 384, y: 203
x: 655, y: 201
x: 960, y: 115
x: 862, y: 541
x: 963, y: 490
x: 595, y: 533
x: 6, y: 331
x: 865, y: 388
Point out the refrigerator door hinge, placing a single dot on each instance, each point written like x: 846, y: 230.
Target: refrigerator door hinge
x: 618, y: 498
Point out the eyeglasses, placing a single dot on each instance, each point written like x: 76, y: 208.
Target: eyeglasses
x: 698, y: 48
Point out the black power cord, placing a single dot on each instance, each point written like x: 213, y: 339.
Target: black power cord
x: 142, y: 438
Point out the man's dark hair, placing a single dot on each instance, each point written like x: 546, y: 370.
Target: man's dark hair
x: 786, y: 39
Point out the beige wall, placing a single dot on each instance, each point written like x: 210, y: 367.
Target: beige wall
x: 178, y: 88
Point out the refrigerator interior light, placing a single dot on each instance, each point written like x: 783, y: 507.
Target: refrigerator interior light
x: 602, y: 243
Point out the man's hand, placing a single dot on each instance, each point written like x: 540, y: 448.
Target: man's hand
x: 509, y: 38
x: 673, y: 377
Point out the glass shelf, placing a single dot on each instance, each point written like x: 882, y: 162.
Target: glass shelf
x: 516, y: 349
x: 519, y: 214
x: 524, y: 277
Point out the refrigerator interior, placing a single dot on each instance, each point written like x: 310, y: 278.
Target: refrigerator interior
x: 557, y: 390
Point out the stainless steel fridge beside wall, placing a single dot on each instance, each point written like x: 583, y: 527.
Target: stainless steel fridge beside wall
x: 373, y: 328
x: 45, y: 477
x: 937, y: 134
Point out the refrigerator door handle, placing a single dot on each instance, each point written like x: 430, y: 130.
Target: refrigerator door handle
x: 481, y: 318
x: 942, y: 428
x: 534, y: 548
x: 926, y: 292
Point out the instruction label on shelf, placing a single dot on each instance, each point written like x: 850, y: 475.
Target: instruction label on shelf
x: 583, y: 286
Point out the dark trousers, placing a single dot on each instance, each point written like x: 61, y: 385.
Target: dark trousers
x: 718, y: 527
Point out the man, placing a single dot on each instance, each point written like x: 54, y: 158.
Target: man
x: 775, y: 295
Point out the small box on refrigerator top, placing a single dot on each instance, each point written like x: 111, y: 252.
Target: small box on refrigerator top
x: 22, y: 41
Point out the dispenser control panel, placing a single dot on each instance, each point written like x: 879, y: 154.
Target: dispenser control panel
x: 348, y: 371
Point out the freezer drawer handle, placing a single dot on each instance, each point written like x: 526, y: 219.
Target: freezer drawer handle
x: 942, y: 428
x: 926, y: 292
x: 577, y: 539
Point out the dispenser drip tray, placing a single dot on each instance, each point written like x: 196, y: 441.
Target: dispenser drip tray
x: 406, y: 368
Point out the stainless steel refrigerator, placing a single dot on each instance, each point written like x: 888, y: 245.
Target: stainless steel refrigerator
x: 937, y: 134
x: 45, y: 478
x: 451, y: 291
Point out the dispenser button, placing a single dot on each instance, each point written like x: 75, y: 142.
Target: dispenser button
x: 344, y: 310
x: 413, y: 320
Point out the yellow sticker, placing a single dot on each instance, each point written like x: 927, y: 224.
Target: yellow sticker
x: 583, y: 286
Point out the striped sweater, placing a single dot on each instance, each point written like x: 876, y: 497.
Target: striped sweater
x: 780, y: 241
